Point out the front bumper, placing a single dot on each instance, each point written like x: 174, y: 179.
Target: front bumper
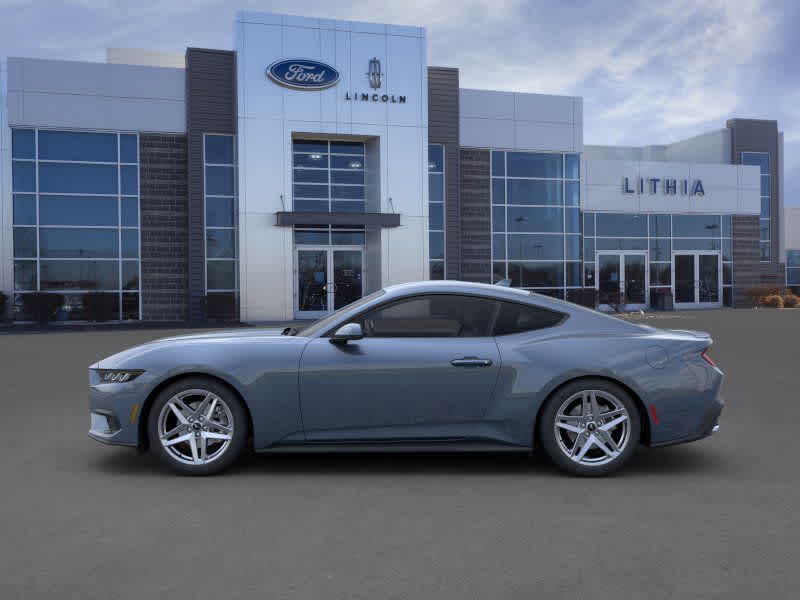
x: 114, y: 410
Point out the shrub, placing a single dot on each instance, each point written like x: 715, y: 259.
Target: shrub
x: 3, y: 306
x: 98, y: 306
x: 41, y: 306
x: 773, y: 301
x: 759, y: 294
x: 790, y: 301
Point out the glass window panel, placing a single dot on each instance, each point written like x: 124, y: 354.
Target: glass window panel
x: 621, y: 243
x: 24, y: 209
x: 345, y: 162
x: 353, y: 206
x: 311, y: 237
x: 527, y: 191
x: 572, y: 220
x: 129, y: 183
x: 437, y: 270
x: 537, y: 219
x: 130, y: 307
x: 219, y: 149
x: 660, y: 249
x: 311, y: 175
x: 765, y: 185
x: 572, y: 191
x: 727, y: 226
x: 793, y: 277
x: 23, y: 143
x: 435, y: 158
x: 535, y: 247
x: 347, y: 192
x: 219, y: 212
x: 311, y: 205
x: 358, y: 177
x: 727, y: 249
x: 77, y: 179
x: 498, y: 191
x: 220, y: 243
x: 25, y: 242
x: 573, y: 166
x: 622, y: 225
x: 130, y: 243
x: 436, y: 187
x: 436, y: 245
x: 310, y: 191
x: 766, y: 251
x: 77, y: 210
x: 347, y: 148
x: 23, y: 176
x: 436, y: 216
x: 25, y: 275
x: 793, y: 258
x: 759, y: 159
x: 79, y: 275
x: 727, y: 273
x: 588, y: 224
x: 498, y: 218
x: 536, y: 274
x: 310, y: 146
x: 348, y: 238
x: 78, y: 146
x: 498, y: 163
x: 221, y: 274
x: 130, y: 274
x: 55, y: 242
x: 695, y: 244
x: 573, y: 274
x: 128, y: 148
x: 765, y: 208
x: 661, y: 274
x: 498, y: 271
x: 532, y: 164
x: 588, y: 274
x: 763, y: 228
x: 499, y: 246
x: 588, y: 249
x: 219, y: 181
x: 130, y: 212
x: 572, y: 245
x: 316, y: 161
x: 727, y: 297
x: 696, y: 225
x: 660, y: 226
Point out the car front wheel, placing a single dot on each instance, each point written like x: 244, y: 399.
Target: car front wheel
x: 590, y: 427
x: 197, y: 426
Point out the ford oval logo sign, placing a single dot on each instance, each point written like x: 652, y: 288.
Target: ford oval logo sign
x: 303, y: 74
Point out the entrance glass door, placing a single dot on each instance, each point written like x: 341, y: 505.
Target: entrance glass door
x: 622, y: 279
x: 697, y: 279
x: 327, y: 279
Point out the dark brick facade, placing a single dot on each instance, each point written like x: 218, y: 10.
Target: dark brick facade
x: 746, y: 254
x: 164, y: 226
x: 476, y: 216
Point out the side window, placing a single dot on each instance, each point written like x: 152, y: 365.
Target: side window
x: 435, y: 315
x: 516, y: 318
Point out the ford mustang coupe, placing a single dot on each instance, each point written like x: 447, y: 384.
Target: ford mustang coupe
x: 430, y: 366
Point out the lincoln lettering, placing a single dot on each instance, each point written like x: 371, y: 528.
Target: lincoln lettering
x: 667, y: 186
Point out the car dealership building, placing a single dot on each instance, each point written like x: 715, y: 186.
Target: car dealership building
x: 321, y: 160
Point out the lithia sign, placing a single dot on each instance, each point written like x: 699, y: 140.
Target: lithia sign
x: 306, y: 74
x: 667, y: 186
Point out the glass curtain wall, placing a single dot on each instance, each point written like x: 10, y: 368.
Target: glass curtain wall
x: 221, y: 222
x: 328, y: 176
x: 436, y: 210
x: 76, y: 221
x: 761, y: 160
x: 660, y: 235
x: 793, y: 268
x: 536, y: 241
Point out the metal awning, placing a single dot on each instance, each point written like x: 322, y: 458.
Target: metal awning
x: 286, y: 218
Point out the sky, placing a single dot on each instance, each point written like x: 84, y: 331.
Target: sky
x: 649, y: 72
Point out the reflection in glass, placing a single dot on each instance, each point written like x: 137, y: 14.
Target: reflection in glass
x: 312, y: 280
x: 77, y: 146
x: 56, y: 242
x: 77, y: 210
x: 79, y: 275
x: 346, y: 277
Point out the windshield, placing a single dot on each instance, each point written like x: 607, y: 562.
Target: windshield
x: 325, y: 322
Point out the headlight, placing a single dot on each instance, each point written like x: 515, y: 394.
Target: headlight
x: 118, y: 375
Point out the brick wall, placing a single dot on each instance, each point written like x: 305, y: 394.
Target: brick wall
x: 476, y: 217
x: 164, y: 224
x: 746, y: 253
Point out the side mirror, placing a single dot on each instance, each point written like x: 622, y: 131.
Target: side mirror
x: 351, y: 331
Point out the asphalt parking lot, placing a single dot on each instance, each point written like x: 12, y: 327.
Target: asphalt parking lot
x: 715, y: 519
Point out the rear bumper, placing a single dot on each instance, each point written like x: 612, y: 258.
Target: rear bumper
x: 709, y: 425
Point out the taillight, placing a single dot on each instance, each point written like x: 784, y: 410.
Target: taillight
x: 705, y: 356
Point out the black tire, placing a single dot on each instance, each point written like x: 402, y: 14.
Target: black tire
x: 557, y: 449
x: 238, y: 414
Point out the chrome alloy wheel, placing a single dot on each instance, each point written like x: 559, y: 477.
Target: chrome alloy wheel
x: 592, y: 427
x: 195, y: 427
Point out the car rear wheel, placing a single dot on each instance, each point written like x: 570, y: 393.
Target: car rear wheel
x: 590, y: 427
x: 197, y: 426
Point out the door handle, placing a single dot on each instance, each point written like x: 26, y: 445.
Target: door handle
x: 471, y: 361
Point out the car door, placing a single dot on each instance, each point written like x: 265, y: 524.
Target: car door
x: 425, y: 369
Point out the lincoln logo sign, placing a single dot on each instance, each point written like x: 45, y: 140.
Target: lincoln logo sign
x: 668, y: 186
x: 302, y: 74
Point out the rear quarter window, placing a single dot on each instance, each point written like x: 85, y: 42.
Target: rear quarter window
x: 518, y: 318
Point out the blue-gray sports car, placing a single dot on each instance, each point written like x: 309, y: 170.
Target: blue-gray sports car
x: 430, y: 366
